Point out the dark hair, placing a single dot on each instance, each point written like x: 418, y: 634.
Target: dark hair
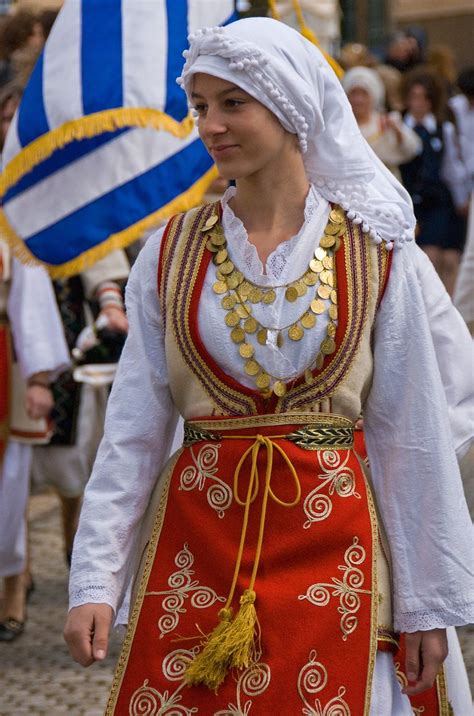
x: 47, y: 18
x: 432, y: 85
x: 466, y: 81
x: 15, y: 31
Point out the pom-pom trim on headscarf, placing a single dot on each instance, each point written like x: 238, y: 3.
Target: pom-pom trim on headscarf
x: 289, y: 75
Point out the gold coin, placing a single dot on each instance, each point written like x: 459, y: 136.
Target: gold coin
x: 269, y: 296
x: 212, y: 220
x: 244, y: 289
x: 320, y: 361
x: 333, y: 229
x: 324, y: 276
x: 228, y: 302
x: 328, y: 262
x: 315, y: 265
x: 237, y: 334
x: 218, y: 239
x: 291, y: 294
x: 250, y: 325
x: 337, y: 216
x: 219, y: 287
x: 308, y: 376
x: 262, y: 336
x: 337, y: 245
x: 255, y: 295
x: 332, y: 312
x: 308, y: 320
x: 239, y: 277
x: 296, y: 333
x: 232, y: 281
x: 220, y: 276
x: 328, y: 346
x: 280, y: 339
x: 220, y: 256
x: 324, y: 291
x: 334, y: 296
x: 252, y: 367
x: 246, y: 350
x: 320, y: 253
x: 331, y: 330
x: 301, y: 288
x: 263, y: 380
x: 211, y: 247
x: 317, y: 306
x: 241, y: 310
x: 226, y: 268
x: 279, y: 388
x: 327, y: 241
x: 232, y: 319
x: 310, y: 278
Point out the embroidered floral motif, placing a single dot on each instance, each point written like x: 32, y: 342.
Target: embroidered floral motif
x: 252, y: 682
x: 219, y: 494
x: 312, y: 679
x: 147, y: 701
x: 347, y: 589
x: 337, y: 477
x: 181, y: 587
x: 419, y: 710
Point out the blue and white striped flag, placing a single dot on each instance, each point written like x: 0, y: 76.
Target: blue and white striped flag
x: 102, y: 147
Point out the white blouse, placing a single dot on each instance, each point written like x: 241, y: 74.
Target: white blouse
x: 411, y: 421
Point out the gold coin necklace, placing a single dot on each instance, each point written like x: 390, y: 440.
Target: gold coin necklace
x: 241, y: 293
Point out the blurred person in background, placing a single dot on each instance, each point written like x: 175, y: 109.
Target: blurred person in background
x: 462, y: 106
x: 437, y: 178
x: 28, y: 310
x: 354, y: 54
x: 21, y: 35
x: 442, y: 61
x: 391, y: 140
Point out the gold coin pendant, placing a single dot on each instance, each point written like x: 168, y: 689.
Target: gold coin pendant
x: 331, y: 330
x: 279, y: 388
x: 316, y: 265
x: 291, y: 294
x: 324, y: 291
x: 226, y: 268
x: 332, y: 312
x: 255, y: 295
x: 334, y: 296
x: 308, y: 376
x: 308, y: 320
x: 211, y: 247
x: 219, y: 287
x: 269, y: 296
x: 327, y: 241
x: 320, y: 253
x: 262, y: 336
x: 237, y: 334
x: 263, y: 380
x: 232, y: 319
x: 296, y: 333
x: 241, y: 310
x: 317, y: 306
x: 328, y: 346
x: 252, y: 367
x: 228, y: 302
x: 246, y: 350
x: 250, y: 325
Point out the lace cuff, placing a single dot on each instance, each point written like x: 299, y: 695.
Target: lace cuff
x: 92, y: 593
x: 426, y: 619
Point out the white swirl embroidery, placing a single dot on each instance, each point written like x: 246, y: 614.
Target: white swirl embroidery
x: 312, y: 679
x: 339, y: 479
x: 252, y: 682
x: 347, y: 589
x: 147, y: 701
x: 181, y: 587
x: 219, y: 494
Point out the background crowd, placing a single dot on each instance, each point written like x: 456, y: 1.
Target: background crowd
x: 414, y: 106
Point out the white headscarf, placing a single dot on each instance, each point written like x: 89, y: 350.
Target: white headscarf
x: 289, y: 76
x: 367, y: 79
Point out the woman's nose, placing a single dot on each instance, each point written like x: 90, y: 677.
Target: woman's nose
x: 213, y: 122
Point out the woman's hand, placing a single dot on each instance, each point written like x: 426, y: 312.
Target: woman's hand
x: 425, y: 653
x: 86, y: 632
x: 39, y: 401
x: 116, y: 318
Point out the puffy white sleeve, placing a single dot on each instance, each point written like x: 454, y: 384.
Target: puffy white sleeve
x: 413, y: 462
x: 38, y: 335
x: 454, y: 352
x: 139, y: 429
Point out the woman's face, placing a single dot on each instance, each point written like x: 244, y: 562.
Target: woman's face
x: 241, y: 135
x: 361, y: 103
x: 417, y: 102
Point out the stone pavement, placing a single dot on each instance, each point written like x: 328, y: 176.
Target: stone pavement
x: 37, y: 676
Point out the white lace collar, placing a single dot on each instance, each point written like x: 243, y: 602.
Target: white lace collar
x: 244, y: 253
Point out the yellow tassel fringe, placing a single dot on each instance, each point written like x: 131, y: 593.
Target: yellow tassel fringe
x: 190, y: 198
x: 232, y: 645
x: 86, y: 128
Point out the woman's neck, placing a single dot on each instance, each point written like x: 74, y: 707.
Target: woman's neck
x: 271, y: 207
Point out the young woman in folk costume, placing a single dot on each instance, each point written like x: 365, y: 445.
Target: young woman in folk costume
x: 268, y: 321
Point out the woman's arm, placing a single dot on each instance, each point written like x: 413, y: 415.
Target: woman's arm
x: 415, y: 472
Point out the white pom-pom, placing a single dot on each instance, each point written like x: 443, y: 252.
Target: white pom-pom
x: 372, y: 234
x: 239, y: 65
x: 186, y: 53
x: 358, y: 220
x: 389, y: 245
x: 180, y: 81
x: 351, y: 214
x: 365, y: 227
x: 303, y: 145
x: 192, y: 37
x: 254, y: 62
x: 345, y: 206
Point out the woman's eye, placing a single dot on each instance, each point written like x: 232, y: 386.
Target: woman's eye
x: 200, y: 108
x: 233, y: 103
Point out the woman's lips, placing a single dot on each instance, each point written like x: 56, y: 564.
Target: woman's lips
x: 223, y: 150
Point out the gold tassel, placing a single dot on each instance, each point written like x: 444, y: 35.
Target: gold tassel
x: 207, y: 667
x: 231, y: 645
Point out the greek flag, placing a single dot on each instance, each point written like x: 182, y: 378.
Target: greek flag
x: 102, y: 147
